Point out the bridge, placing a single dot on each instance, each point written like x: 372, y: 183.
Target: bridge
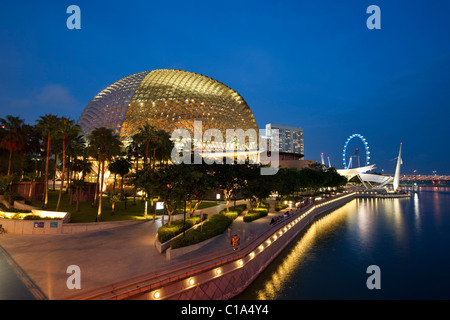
x: 425, y: 180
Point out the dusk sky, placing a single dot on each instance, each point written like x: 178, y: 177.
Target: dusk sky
x: 310, y: 64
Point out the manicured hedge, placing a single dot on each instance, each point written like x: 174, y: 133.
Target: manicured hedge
x: 234, y: 212
x: 280, y: 206
x: 256, y: 213
x: 212, y: 227
x: 166, y: 233
x: 215, y: 225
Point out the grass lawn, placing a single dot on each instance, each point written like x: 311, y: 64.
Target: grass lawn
x: 88, y: 213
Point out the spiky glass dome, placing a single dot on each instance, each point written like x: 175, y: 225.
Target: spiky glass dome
x: 167, y: 99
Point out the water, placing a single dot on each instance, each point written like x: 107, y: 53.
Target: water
x: 407, y: 238
x: 11, y: 285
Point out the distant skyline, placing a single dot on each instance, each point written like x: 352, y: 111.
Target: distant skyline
x: 296, y: 63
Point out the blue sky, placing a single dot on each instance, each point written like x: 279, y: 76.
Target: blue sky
x: 301, y: 63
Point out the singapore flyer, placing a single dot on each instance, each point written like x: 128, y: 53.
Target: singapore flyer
x: 366, y: 149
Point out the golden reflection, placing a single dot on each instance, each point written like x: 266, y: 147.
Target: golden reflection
x: 417, y: 212
x: 362, y: 221
x: 301, y: 251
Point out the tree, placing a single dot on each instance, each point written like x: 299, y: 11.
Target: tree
x: 113, y: 198
x: 120, y: 166
x: 333, y: 179
x: 287, y: 181
x: 46, y: 125
x: 199, y: 182
x: 12, y: 139
x: 34, y: 146
x: 164, y: 146
x: 105, y: 145
x: 68, y: 130
x: 134, y: 150
x: 149, y: 181
x: 171, y: 188
x: 311, y: 178
x: 230, y: 179
x: 148, y: 135
x: 76, y: 186
x: 258, y: 186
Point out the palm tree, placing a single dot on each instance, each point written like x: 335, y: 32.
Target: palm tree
x: 165, y: 145
x: 120, y: 166
x: 149, y: 135
x: 105, y: 145
x: 34, y: 146
x: 12, y: 137
x: 68, y: 130
x: 134, y: 150
x: 47, y: 125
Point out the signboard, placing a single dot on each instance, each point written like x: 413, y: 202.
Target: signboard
x: 39, y: 224
x: 159, y: 205
x: 53, y: 224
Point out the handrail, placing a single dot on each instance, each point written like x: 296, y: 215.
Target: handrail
x: 219, y: 257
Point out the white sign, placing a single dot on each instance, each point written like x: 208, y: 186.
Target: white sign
x: 159, y: 205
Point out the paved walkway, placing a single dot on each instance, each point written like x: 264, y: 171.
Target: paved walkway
x: 107, y: 256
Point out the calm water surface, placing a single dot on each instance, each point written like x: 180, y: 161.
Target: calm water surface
x: 11, y: 286
x: 409, y: 239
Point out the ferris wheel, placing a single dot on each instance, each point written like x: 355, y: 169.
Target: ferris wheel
x: 366, y: 147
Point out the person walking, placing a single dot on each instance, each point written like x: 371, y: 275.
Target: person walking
x: 235, y: 242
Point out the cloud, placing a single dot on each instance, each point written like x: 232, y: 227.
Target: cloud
x: 51, y: 98
x: 56, y: 95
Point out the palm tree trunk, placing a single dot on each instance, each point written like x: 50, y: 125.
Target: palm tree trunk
x: 54, y: 177
x: 22, y: 158
x: 63, y: 172
x: 134, y: 194
x: 78, y: 199
x: 99, y: 212
x: 46, y: 172
x: 35, y: 163
x: 146, y: 150
x: 96, y: 183
x: 9, y: 161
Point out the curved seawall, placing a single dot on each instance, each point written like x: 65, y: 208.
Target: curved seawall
x: 226, y: 275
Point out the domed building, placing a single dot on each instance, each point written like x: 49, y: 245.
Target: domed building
x: 168, y: 100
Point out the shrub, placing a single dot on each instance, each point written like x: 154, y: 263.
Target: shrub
x: 36, y: 217
x: 212, y: 227
x: 280, y: 206
x: 5, y: 209
x: 256, y: 213
x: 166, y: 233
x: 234, y: 212
x: 11, y: 196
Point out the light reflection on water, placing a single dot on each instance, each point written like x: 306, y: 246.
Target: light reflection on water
x: 407, y: 238
x: 300, y: 252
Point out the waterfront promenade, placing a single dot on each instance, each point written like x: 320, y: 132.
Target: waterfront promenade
x: 105, y: 256
x: 108, y: 257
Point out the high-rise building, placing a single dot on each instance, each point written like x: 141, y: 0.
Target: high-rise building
x: 290, y: 138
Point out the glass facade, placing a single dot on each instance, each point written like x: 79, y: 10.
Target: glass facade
x: 290, y: 138
x: 168, y: 100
